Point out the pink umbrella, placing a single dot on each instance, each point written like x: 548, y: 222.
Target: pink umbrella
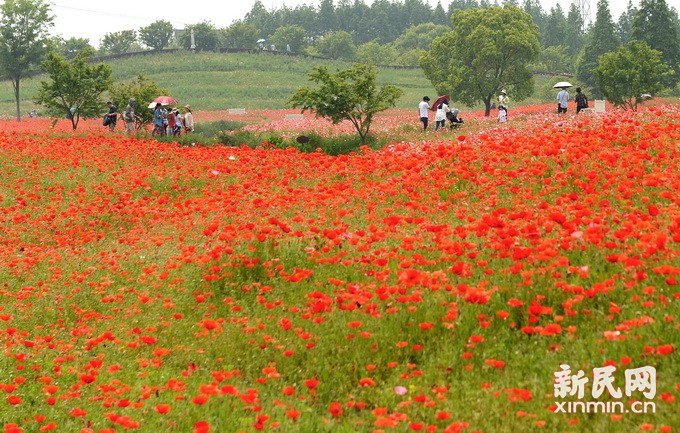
x: 438, y: 101
x: 165, y: 100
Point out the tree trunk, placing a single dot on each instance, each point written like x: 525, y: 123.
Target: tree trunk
x: 487, y: 105
x: 15, y: 84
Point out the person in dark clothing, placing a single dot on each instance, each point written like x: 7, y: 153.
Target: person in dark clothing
x: 581, y: 100
x: 111, y: 117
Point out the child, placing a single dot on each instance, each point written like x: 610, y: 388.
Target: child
x: 502, y: 115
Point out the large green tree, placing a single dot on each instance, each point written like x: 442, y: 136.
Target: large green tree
x: 350, y: 94
x: 71, y: 47
x: 157, y: 35
x: 293, y: 36
x: 601, y: 39
x: 206, y: 37
x: 24, y: 40
x: 337, y: 45
x: 625, y: 75
x: 75, y: 87
x: 624, y: 26
x: 653, y: 23
x: 118, y: 42
x: 240, y: 35
x: 487, y: 50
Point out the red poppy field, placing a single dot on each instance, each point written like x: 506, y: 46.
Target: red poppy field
x: 435, y: 285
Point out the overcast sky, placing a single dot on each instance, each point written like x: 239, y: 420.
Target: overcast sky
x: 91, y: 20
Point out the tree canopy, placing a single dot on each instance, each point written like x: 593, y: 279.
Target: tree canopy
x: 157, y: 35
x: 75, y: 87
x: 24, y: 40
x: 632, y: 71
x: 119, y: 42
x: 350, y: 94
x: 487, y: 50
x: 653, y: 23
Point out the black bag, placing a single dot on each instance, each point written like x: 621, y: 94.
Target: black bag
x: 106, y: 121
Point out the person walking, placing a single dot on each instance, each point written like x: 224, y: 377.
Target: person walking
x: 111, y: 117
x: 562, y: 101
x: 129, y: 116
x: 440, y: 117
x: 188, y: 119
x: 424, y: 108
x: 581, y: 100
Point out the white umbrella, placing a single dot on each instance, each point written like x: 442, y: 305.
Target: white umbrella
x: 562, y: 84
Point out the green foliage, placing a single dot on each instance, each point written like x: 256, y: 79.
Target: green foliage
x: 75, y: 88
x: 70, y: 47
x: 625, y: 75
x: 554, y: 59
x: 654, y: 24
x: 419, y: 37
x: 337, y: 45
x: 601, y: 39
x: 293, y: 36
x: 141, y: 89
x: 206, y: 37
x: 375, y: 54
x: 487, y: 50
x: 157, y: 35
x: 118, y: 42
x: 24, y: 40
x: 351, y: 94
x: 240, y: 35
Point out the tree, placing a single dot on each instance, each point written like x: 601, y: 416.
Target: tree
x: 24, y: 40
x: 240, y: 35
x: 624, y: 26
x: 574, y: 36
x: 625, y: 75
x: 419, y: 37
x: 140, y: 88
x: 70, y: 47
x: 293, y: 36
x: 206, y: 37
x: 350, y: 94
x: 601, y: 39
x: 337, y: 45
x: 653, y: 23
x: 157, y: 35
x: 376, y: 54
x: 75, y: 87
x: 118, y: 42
x: 487, y: 50
x: 557, y: 24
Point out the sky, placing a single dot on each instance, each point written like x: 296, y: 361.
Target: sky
x: 92, y: 20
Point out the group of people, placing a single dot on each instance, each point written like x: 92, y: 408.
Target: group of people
x: 165, y: 121
x: 442, y: 114
x: 169, y: 121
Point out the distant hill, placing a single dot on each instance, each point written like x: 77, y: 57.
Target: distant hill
x: 217, y: 81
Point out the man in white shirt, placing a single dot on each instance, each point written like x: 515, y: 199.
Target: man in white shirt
x: 424, y: 108
x: 562, y: 100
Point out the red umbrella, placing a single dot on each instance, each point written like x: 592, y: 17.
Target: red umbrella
x: 165, y: 100
x: 438, y: 101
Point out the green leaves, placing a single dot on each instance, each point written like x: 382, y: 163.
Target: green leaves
x: 75, y: 87
x: 624, y: 75
x: 350, y: 94
x: 488, y: 49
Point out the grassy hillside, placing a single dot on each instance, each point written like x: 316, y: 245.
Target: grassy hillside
x: 217, y: 81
